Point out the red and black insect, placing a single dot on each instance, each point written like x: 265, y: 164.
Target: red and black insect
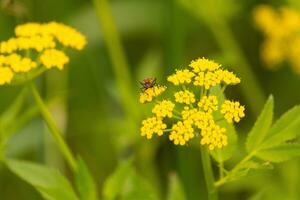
x: 148, y: 83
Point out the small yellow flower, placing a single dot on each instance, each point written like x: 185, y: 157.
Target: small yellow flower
x: 66, y: 35
x: 19, y: 64
x: 6, y: 75
x: 208, y: 103
x: 232, y: 111
x: 228, y: 77
x: 152, y: 125
x: 207, y: 79
x: 181, y: 77
x: 182, y: 132
x: 185, y: 96
x: 54, y: 58
x: 150, y: 93
x: 164, y: 109
x: 214, y: 136
x: 203, y: 64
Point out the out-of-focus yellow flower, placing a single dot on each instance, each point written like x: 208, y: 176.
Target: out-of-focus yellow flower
x: 281, y: 29
x: 194, y: 115
x: 35, y: 46
x: 66, y: 35
x: 185, y: 96
x: 181, y: 77
x: 232, y: 111
x: 151, y: 126
x: 6, y: 75
x: 54, y: 58
x: 17, y: 63
x: 164, y: 109
x: 150, y: 93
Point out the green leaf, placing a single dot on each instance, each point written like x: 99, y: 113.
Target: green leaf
x: 221, y: 155
x: 285, y: 128
x: 261, y: 126
x: 175, y: 191
x: 125, y: 184
x: 49, y: 182
x: 85, y: 182
x: 280, y: 153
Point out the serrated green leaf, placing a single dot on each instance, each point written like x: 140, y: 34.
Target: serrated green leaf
x: 85, y: 182
x: 285, y: 128
x: 49, y: 182
x: 280, y: 153
x: 175, y: 191
x: 261, y: 127
x: 221, y: 155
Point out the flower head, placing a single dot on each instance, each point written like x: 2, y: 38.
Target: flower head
x: 164, y: 109
x: 181, y: 132
x: 181, y: 77
x: 39, y: 41
x: 185, y: 96
x: 232, y: 111
x: 151, y: 126
x: 197, y: 110
x: 150, y: 93
x: 6, y: 75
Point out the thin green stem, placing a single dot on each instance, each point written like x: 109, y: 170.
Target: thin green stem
x: 119, y: 62
x: 53, y: 128
x: 208, y: 174
x: 223, y: 180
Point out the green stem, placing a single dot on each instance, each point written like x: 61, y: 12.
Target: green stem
x: 53, y: 128
x: 223, y: 180
x: 119, y: 62
x: 208, y: 174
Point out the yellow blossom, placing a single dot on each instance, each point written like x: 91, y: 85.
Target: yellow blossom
x: 208, y: 103
x: 66, y: 35
x: 194, y: 119
x: 164, y: 109
x: 207, y: 79
x: 203, y: 64
x: 232, y: 111
x: 54, y: 58
x: 181, y: 132
x: 19, y: 64
x: 181, y: 77
x: 150, y: 93
x: 214, y: 136
x: 151, y: 126
x: 185, y: 96
x: 229, y: 78
x: 6, y: 75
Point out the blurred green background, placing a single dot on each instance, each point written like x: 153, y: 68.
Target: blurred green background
x: 95, y: 99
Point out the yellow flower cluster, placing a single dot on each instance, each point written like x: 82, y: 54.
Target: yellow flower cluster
x: 197, y: 114
x: 208, y: 103
x: 164, y: 109
x: 281, y: 30
x: 54, y: 58
x: 152, y: 125
x: 181, y: 133
x: 185, y: 96
x: 150, y: 93
x: 232, y: 111
x: 181, y: 77
x: 35, y: 46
